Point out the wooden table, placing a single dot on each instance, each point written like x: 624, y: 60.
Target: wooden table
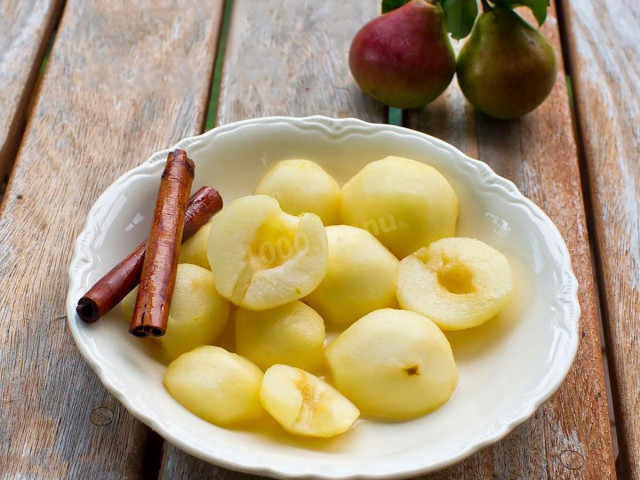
x: 125, y: 79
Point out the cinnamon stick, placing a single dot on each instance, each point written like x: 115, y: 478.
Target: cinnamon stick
x: 121, y: 279
x: 158, y: 277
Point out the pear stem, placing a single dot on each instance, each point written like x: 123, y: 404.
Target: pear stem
x: 485, y: 6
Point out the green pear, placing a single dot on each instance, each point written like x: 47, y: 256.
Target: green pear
x: 404, y: 58
x: 507, y: 68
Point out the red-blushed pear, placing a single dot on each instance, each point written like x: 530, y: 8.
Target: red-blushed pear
x: 404, y: 58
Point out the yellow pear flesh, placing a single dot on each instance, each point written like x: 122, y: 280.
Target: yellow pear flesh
x: 263, y: 257
x: 197, y: 316
x: 302, y: 186
x: 456, y: 282
x: 292, y: 334
x: 304, y: 404
x: 220, y: 387
x: 361, y: 277
x: 194, y: 250
x: 406, y: 204
x: 393, y: 364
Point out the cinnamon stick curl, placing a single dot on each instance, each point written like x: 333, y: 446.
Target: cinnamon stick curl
x: 158, y: 277
x: 123, y: 278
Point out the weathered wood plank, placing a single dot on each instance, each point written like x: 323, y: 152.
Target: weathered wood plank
x: 604, y: 60
x: 285, y: 57
x: 25, y: 28
x: 124, y: 80
x: 179, y: 465
x: 569, y: 437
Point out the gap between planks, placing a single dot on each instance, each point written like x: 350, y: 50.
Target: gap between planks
x: 594, y: 425
x: 31, y: 91
x: 154, y: 449
x: 610, y: 380
x: 216, y: 79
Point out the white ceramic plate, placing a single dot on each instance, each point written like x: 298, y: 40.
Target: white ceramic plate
x: 507, y: 367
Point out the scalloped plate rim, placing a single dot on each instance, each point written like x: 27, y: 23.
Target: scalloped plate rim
x: 566, y: 300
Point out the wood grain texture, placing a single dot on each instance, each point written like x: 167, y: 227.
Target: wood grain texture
x: 25, y: 28
x: 569, y: 436
x: 285, y: 57
x: 124, y: 80
x: 288, y: 57
x: 604, y: 59
x: 179, y: 465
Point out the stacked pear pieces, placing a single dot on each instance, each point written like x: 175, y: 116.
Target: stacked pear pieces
x: 281, y: 263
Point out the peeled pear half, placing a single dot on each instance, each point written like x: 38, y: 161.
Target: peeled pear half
x: 194, y: 250
x: 304, y: 404
x: 361, y: 277
x: 292, y: 334
x: 457, y: 282
x: 404, y: 203
x: 263, y: 257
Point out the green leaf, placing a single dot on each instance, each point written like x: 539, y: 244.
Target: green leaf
x: 388, y: 5
x: 538, y: 7
x: 459, y: 17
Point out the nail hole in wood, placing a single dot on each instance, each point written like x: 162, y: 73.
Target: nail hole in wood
x: 572, y: 460
x: 101, y: 416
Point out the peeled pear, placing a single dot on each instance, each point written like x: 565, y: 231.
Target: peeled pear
x: 303, y: 186
x: 220, y: 387
x: 404, y: 203
x: 404, y: 58
x: 456, y: 282
x: 361, y: 277
x: 507, y: 68
x: 393, y: 364
x: 197, y: 316
x: 194, y: 250
x: 304, y: 404
x: 292, y: 334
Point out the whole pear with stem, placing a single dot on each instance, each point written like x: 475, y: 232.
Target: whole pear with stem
x: 404, y: 58
x: 507, y: 68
